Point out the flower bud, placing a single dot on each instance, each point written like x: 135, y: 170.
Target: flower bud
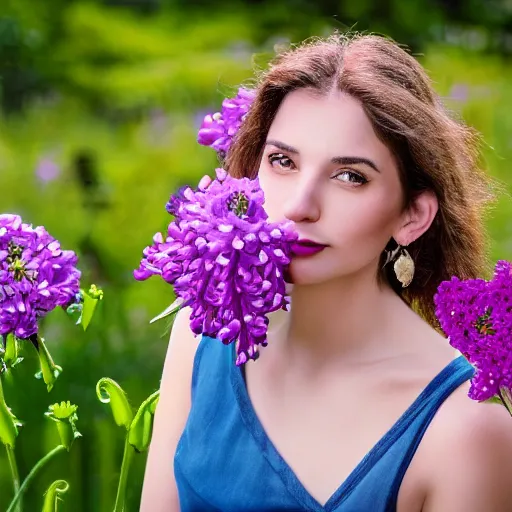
x: 109, y: 391
x: 139, y: 435
x: 52, y: 495
x: 64, y: 415
x: 49, y: 370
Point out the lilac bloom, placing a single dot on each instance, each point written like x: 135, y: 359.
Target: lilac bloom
x: 36, y: 276
x: 225, y: 260
x: 476, y: 315
x: 219, y: 129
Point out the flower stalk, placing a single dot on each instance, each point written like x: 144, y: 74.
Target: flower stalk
x: 138, y: 428
x: 15, y: 475
x: 8, y: 433
x: 30, y: 477
x: 10, y: 356
x: 128, y: 454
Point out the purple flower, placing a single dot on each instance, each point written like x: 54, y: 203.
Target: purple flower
x: 219, y: 129
x: 459, y: 92
x: 47, y: 170
x: 476, y: 315
x: 36, y: 276
x: 225, y: 260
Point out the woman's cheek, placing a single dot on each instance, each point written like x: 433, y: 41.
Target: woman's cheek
x: 275, y: 197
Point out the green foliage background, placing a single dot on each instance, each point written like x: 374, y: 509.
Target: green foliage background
x: 111, y: 95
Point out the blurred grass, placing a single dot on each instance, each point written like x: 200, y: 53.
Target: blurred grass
x: 131, y: 98
x: 479, y: 88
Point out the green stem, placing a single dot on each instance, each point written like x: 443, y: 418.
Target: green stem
x: 32, y: 474
x: 15, y: 474
x: 123, y: 477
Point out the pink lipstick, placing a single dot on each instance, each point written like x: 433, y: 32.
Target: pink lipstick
x: 306, y: 247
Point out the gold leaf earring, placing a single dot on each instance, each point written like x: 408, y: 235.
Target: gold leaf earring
x: 404, y: 267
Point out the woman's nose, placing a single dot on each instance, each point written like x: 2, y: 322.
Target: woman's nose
x: 303, y: 203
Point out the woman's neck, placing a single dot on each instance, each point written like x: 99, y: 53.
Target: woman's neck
x: 353, y: 319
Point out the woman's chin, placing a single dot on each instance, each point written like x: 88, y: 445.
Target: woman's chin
x: 304, y: 273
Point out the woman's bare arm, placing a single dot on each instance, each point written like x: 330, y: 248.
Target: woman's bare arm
x: 474, y: 474
x: 159, y: 491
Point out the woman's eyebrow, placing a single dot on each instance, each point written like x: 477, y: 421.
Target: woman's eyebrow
x: 353, y: 160
x: 340, y: 160
x: 282, y: 145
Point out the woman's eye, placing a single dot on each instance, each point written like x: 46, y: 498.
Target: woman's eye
x: 281, y: 161
x: 351, y: 177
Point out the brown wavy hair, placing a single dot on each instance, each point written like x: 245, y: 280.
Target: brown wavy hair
x: 432, y: 150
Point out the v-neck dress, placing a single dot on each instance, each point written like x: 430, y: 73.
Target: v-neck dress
x: 225, y: 462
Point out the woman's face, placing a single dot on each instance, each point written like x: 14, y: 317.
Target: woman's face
x: 324, y: 168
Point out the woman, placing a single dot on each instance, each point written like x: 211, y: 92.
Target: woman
x: 357, y: 404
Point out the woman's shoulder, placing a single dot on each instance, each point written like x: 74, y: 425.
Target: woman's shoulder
x: 183, y: 344
x: 200, y: 358
x: 467, y: 455
x: 170, y: 417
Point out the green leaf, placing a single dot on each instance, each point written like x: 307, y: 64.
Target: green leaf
x: 88, y: 311
x: 49, y: 370
x: 506, y: 396
x: 91, y: 299
x: 173, y: 308
x: 8, y: 422
x: 494, y: 400
x: 52, y: 495
x: 139, y: 435
x: 109, y: 391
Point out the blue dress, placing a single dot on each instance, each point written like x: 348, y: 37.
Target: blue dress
x: 224, y: 461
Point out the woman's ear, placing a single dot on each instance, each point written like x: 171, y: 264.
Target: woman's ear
x: 417, y: 218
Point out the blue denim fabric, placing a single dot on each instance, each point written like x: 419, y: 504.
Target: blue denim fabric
x: 224, y: 461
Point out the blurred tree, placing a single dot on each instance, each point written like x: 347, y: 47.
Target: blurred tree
x: 126, y: 53
x: 19, y: 77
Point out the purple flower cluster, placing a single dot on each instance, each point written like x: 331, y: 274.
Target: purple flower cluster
x: 219, y: 129
x: 476, y: 315
x: 225, y: 260
x: 36, y: 276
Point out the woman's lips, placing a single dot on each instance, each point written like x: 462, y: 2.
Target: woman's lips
x: 306, y: 248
